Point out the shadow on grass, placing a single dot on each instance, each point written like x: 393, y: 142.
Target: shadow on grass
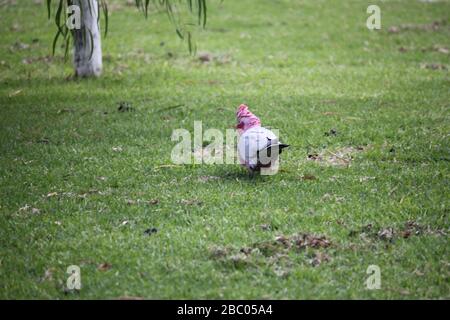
x: 238, y: 173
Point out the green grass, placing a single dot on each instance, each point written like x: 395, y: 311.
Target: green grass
x: 304, y: 67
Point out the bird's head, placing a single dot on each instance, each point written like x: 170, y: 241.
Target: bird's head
x: 246, y: 119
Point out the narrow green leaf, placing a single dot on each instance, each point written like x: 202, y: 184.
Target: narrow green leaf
x: 58, y: 15
x: 200, y: 5
x: 55, y: 40
x: 105, y: 12
x: 49, y: 2
x: 189, y: 42
x: 204, y: 13
x: 146, y: 8
x: 139, y: 5
x: 179, y: 33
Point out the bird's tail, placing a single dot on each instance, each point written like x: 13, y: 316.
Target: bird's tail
x: 270, y: 154
x: 275, y: 148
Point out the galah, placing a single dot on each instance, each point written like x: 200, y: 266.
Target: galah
x: 258, y: 147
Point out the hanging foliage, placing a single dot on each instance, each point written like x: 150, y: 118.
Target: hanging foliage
x: 173, y: 8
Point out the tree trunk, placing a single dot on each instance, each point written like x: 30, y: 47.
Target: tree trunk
x: 87, y: 61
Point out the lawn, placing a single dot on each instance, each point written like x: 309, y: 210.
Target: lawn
x: 365, y: 181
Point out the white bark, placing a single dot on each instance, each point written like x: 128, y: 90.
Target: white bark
x: 86, y: 65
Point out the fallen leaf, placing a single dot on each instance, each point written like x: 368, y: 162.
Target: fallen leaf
x: 363, y: 179
x: 205, y: 57
x: 386, y: 234
x: 404, y: 292
x: 15, y: 93
x: 394, y: 29
x: 418, y: 273
x: 85, y: 194
x: 282, y: 239
x: 24, y: 208
x: 313, y: 241
x: 442, y: 50
x: 405, y: 234
x: 104, y: 266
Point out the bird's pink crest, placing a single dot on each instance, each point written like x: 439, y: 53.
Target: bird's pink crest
x: 246, y: 119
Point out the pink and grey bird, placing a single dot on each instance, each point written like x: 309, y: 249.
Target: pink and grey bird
x: 258, y: 147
